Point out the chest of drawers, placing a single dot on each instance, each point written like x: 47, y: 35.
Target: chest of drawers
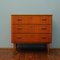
x: 31, y: 29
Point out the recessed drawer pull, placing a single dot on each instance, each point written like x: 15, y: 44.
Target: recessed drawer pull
x: 43, y: 19
x: 19, y: 28
x: 19, y: 19
x: 44, y: 28
x: 43, y: 37
x: 19, y: 37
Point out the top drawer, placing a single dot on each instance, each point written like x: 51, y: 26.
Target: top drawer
x: 46, y: 19
x: 31, y: 19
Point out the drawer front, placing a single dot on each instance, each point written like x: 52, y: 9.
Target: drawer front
x: 31, y: 29
x: 41, y: 20
x: 31, y: 38
x: 23, y: 29
x: 21, y: 19
x: 46, y: 19
x: 44, y: 29
x: 32, y: 19
x: 45, y: 38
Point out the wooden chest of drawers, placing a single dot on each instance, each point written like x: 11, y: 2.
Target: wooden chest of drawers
x: 31, y: 29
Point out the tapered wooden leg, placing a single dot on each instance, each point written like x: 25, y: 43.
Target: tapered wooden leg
x: 48, y: 47
x: 14, y: 49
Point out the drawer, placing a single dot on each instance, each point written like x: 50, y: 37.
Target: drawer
x: 42, y: 19
x: 44, y: 28
x: 31, y: 29
x: 46, y: 19
x: 23, y: 29
x: 32, y: 19
x: 45, y: 38
x: 21, y: 19
x: 31, y: 38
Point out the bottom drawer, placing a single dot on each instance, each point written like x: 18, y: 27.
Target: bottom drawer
x: 31, y: 38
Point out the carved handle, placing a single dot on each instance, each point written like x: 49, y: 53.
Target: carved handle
x: 43, y: 19
x: 44, y: 28
x: 19, y: 28
x: 19, y: 37
x: 19, y: 19
x: 44, y: 37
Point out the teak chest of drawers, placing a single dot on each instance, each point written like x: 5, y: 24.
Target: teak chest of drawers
x: 31, y: 29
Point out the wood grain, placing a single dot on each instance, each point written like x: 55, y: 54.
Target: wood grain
x: 7, y: 54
